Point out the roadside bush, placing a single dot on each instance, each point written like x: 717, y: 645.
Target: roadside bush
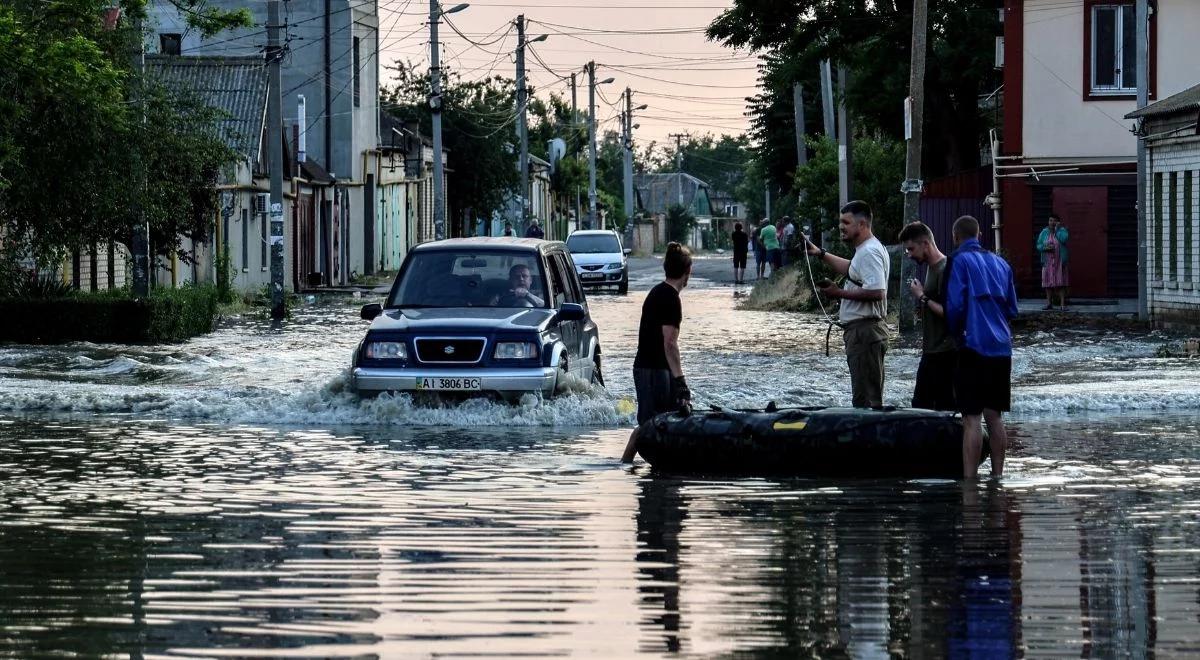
x: 679, y: 224
x: 167, y: 315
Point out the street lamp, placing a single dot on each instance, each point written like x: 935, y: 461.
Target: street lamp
x: 435, y: 108
x: 591, y: 68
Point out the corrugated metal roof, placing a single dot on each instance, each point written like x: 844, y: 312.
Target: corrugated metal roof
x: 235, y: 85
x: 658, y: 192
x: 1185, y: 101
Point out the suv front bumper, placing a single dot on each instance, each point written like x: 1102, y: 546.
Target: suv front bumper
x: 373, y: 380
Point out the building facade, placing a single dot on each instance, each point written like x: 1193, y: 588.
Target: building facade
x: 1171, y: 129
x: 1066, y: 147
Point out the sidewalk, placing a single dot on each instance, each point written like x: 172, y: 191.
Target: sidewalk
x: 1117, y: 307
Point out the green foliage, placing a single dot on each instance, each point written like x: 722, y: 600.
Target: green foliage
x: 87, y: 146
x: 872, y: 39
x: 878, y: 171
x: 167, y: 315
x: 680, y: 224
x: 477, y: 130
x: 225, y: 274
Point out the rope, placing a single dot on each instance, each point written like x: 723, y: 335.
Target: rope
x: 817, y: 294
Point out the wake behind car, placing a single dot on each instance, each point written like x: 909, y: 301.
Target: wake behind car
x: 499, y: 316
x: 599, y: 258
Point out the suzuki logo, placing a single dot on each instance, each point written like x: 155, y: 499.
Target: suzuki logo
x: 449, y: 350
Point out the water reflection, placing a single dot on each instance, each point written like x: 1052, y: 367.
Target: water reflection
x: 129, y: 537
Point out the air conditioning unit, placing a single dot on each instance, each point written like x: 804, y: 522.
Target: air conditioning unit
x: 262, y: 203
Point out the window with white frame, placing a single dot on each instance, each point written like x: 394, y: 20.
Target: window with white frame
x: 1114, y: 49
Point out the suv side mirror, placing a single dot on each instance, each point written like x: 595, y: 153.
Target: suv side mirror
x: 627, y: 251
x: 570, y: 312
x: 370, y: 311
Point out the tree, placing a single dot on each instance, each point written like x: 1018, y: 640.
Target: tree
x: 478, y: 131
x: 872, y: 39
x: 878, y: 162
x: 70, y: 137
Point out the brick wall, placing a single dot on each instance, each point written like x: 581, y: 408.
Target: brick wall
x: 1173, y: 222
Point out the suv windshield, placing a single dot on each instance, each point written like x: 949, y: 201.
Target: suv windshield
x: 593, y: 244
x: 446, y: 278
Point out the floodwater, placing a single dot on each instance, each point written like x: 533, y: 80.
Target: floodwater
x: 227, y: 497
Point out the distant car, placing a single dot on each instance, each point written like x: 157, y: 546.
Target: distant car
x: 501, y: 316
x: 599, y: 258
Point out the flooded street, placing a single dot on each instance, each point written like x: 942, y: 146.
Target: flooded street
x: 227, y: 496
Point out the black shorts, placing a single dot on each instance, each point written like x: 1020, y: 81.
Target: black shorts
x: 655, y: 393
x: 739, y: 259
x: 982, y: 383
x: 935, y: 381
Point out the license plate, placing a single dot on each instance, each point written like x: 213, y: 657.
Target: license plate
x: 592, y: 276
x: 448, y: 384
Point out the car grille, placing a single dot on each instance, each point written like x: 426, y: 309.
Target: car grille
x: 592, y: 267
x: 450, y: 349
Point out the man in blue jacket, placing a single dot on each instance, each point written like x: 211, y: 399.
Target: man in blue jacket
x: 981, y: 299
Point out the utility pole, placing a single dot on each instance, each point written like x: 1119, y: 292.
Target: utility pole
x: 913, y: 124
x: 845, y: 144
x: 679, y: 162
x: 827, y: 100
x: 574, y: 106
x: 798, y: 102
x: 435, y: 107
x: 275, y: 153
x: 627, y: 164
x: 591, y: 218
x: 767, y: 194
x: 139, y: 243
x: 522, y: 123
x: 1142, y: 17
x: 591, y: 68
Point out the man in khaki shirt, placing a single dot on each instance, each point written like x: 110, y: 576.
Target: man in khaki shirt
x: 864, y: 302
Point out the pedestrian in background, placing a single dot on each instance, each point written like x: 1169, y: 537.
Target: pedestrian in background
x: 770, y: 238
x: 508, y: 228
x: 981, y: 299
x: 864, y: 301
x: 935, y: 373
x: 1052, y: 245
x: 534, y: 230
x: 787, y: 241
x: 741, y: 247
x: 760, y: 249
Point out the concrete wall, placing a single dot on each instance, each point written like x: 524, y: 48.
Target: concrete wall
x: 1173, y: 274
x: 1058, y: 122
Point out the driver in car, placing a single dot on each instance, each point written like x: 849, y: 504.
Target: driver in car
x: 520, y: 278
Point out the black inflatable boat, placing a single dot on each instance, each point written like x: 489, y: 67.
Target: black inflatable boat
x: 818, y: 442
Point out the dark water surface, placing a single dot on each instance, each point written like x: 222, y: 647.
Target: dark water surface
x: 228, y: 497
x: 127, y: 537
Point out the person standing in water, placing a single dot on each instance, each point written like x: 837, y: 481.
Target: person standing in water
x: 981, y: 300
x: 657, y: 368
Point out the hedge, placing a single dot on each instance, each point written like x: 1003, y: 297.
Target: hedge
x: 167, y: 315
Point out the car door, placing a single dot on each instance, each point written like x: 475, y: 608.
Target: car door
x: 566, y: 291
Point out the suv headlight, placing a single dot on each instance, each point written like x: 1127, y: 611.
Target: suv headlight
x: 387, y: 350
x: 616, y: 266
x: 516, y: 350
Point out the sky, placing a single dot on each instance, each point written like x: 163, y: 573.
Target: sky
x: 657, y: 48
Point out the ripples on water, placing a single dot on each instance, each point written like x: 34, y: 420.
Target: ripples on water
x: 227, y: 497
x: 122, y: 536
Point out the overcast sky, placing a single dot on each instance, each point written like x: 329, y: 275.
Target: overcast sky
x: 655, y: 47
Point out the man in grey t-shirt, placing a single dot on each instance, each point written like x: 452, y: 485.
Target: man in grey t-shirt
x: 864, y: 302
x: 939, y: 358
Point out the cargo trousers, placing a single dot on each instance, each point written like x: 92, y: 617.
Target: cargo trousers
x: 866, y: 344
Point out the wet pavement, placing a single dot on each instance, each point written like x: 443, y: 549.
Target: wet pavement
x: 227, y: 496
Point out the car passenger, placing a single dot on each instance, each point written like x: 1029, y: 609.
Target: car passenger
x: 520, y: 281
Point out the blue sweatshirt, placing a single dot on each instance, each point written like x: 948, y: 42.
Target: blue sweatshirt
x: 981, y: 298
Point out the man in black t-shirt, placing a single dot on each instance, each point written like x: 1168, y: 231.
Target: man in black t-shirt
x: 657, y: 369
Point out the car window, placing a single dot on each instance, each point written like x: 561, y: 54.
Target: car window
x: 593, y: 243
x: 450, y: 278
x: 561, y: 284
x: 569, y: 272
